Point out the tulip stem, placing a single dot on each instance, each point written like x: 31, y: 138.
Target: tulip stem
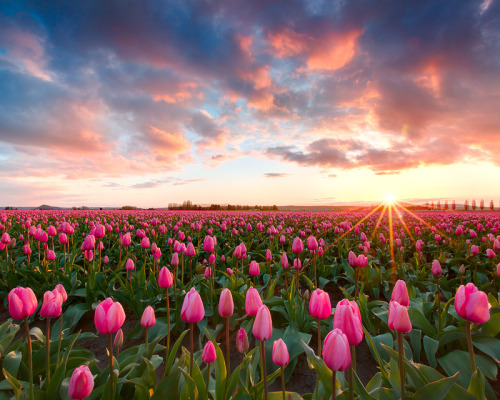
x: 208, y: 377
x: 168, y: 326
x: 60, y: 337
x: 334, y: 382
x: 110, y: 336
x: 283, y: 382
x: 355, y: 283
x: 470, y: 346
x: 228, y: 361
x: 30, y: 358
x: 401, y: 365
x: 439, y: 305
x: 191, y: 333
x: 263, y: 359
x: 297, y: 279
x: 47, y: 354
x: 147, y: 338
x: 315, y: 274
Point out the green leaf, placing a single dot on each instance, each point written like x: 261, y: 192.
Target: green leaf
x: 14, y: 383
x: 173, y: 352
x: 492, y: 327
x: 476, y: 386
x: 419, y: 321
x: 416, y: 343
x: 458, y: 360
x: 431, y: 347
x: 168, y: 387
x: 288, y: 396
x: 12, y: 361
x: 435, y: 390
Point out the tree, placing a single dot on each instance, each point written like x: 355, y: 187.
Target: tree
x: 432, y: 205
x: 453, y: 205
x: 446, y: 204
x: 427, y: 205
x: 492, y: 206
x: 466, y: 205
x: 481, y: 204
x: 473, y: 204
x: 438, y: 205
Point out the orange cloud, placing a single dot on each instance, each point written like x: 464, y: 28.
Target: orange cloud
x: 329, y: 52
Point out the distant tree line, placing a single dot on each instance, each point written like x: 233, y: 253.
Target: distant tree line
x: 188, y: 205
x: 467, y: 206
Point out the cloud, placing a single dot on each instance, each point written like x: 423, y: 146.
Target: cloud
x: 275, y: 175
x: 187, y: 181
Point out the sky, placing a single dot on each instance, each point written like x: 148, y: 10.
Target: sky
x: 145, y: 103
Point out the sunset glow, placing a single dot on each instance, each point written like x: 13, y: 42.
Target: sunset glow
x: 248, y: 103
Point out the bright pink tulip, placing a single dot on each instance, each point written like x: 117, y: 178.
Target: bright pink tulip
x: 62, y: 291
x: 498, y: 269
x: 298, y: 245
x: 348, y: 318
x: 109, y: 316
x: 436, y: 268
x: 254, y: 269
x: 474, y: 250
x: 352, y: 259
x: 242, y: 341
x: 190, y: 252
x: 312, y: 243
x: 362, y: 261
x: 52, y: 304
x: 280, y: 353
x: 208, y: 272
x: 399, y: 319
x: 100, y: 231
x: 269, y: 255
x: 211, y: 259
x: 192, y: 310
x: 320, y: 306
x: 22, y: 302
x: 106, y: 260
x: 400, y: 293
x: 336, y: 352
x: 490, y: 253
x: 165, y: 278
x: 472, y: 304
x: 208, y: 244
x: 297, y: 264
x: 26, y: 249
x: 209, y: 355
x: 253, y: 301
x: 129, y: 265
x: 81, y: 383
x: 263, y: 325
x: 284, y: 261
x: 5, y: 238
x: 145, y: 242
x: 63, y: 239
x: 126, y: 239
x: 229, y: 271
x: 226, y: 305
x: 51, y: 256
x: 282, y: 239
x: 148, y: 318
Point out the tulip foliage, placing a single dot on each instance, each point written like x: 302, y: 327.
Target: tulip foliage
x: 231, y: 305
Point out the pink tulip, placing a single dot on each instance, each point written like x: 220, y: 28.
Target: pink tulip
x: 5, y: 238
x: 312, y: 243
x: 253, y: 301
x: 51, y: 256
x: 280, y: 353
x: 22, y: 302
x: 190, y: 252
x: 336, y: 352
x: 269, y: 256
x: 226, y: 305
x: 297, y: 264
x: 284, y: 261
x: 26, y: 249
x: 348, y: 318
x: 118, y: 342
x: 192, y: 310
x: 63, y: 239
x: 490, y: 253
x: 165, y: 278
x: 175, y: 260
x: 81, y: 383
x: 362, y: 261
x: 399, y: 320
x: 52, y: 304
x: 208, y: 272
x: 498, y: 269
x: 209, y: 355
x: 229, y: 271
x: 436, y: 268
x: 320, y: 306
x: 263, y: 325
x: 254, y: 269
x: 148, y: 318
x: 129, y: 265
x: 126, y: 239
x: 298, y: 245
x: 145, y: 242
x: 472, y: 304
x: 211, y: 259
x: 400, y: 293
x: 242, y: 341
x: 109, y: 316
x: 208, y: 244
x: 352, y: 259
x: 106, y: 260
x: 62, y: 291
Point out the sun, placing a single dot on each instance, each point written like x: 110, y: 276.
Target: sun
x: 389, y: 198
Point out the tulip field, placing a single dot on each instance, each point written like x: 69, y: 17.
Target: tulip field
x: 382, y: 303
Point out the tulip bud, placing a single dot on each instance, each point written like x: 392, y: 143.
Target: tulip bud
x: 129, y: 265
x: 165, y: 278
x: 81, y: 383
x: 336, y: 351
x: 263, y: 325
x: 242, y: 341
x: 320, y: 306
x: 280, y: 353
x: 472, y: 304
x: 22, y: 302
x: 226, y: 305
x: 148, y: 317
x: 399, y: 319
x: 436, y: 268
x: 192, y: 308
x: 109, y: 316
x: 400, y: 293
x: 118, y: 342
x: 348, y: 318
x: 253, y: 301
x: 209, y: 355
